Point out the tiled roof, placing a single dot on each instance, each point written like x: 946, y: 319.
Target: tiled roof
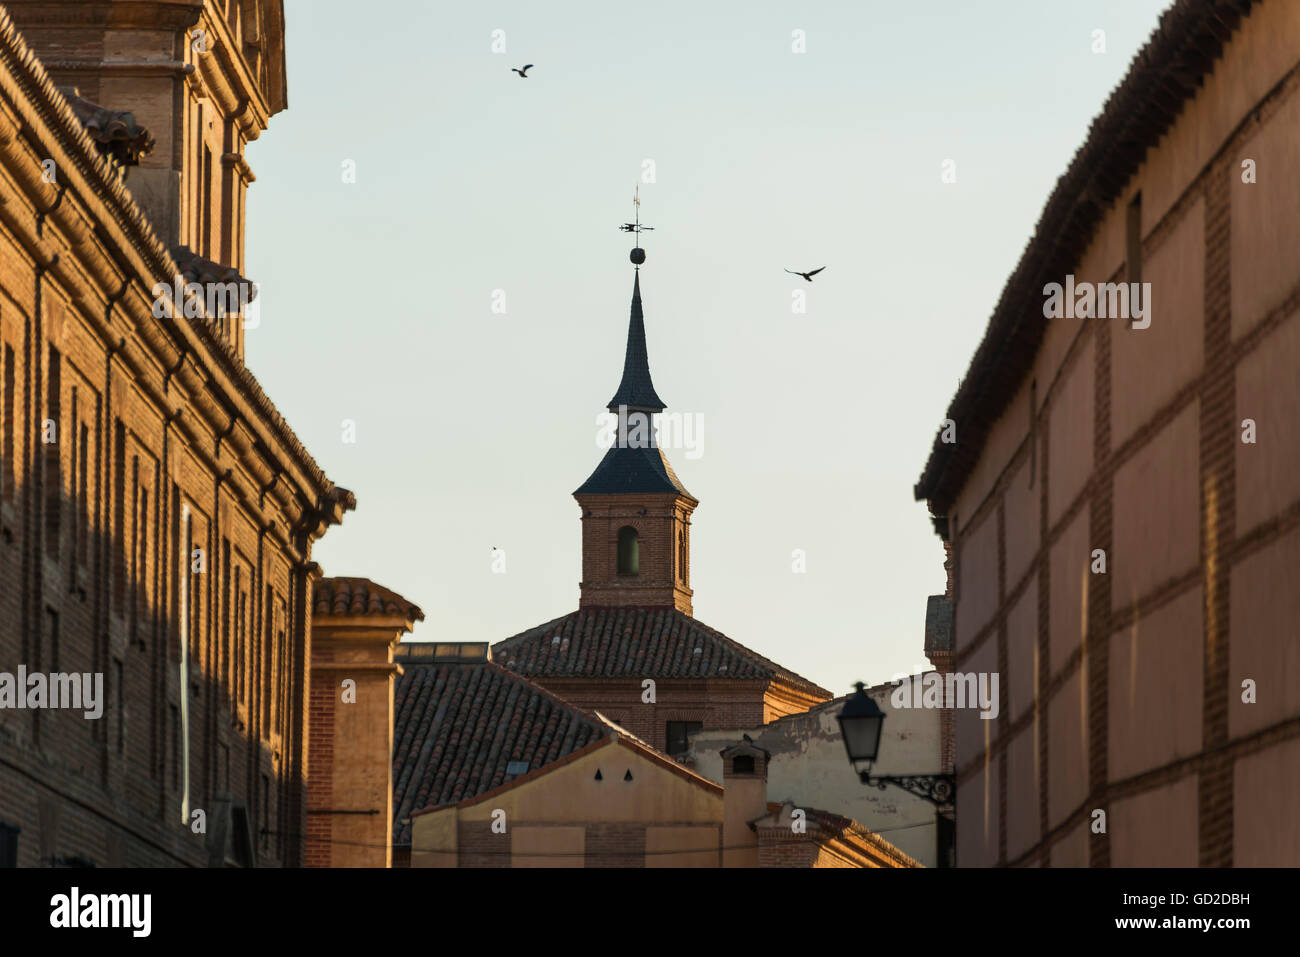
x: 826, y: 825
x: 1163, y: 76
x: 636, y: 391
x: 115, y: 132
x: 636, y: 642
x: 630, y: 469
x: 458, y: 727
x: 360, y: 596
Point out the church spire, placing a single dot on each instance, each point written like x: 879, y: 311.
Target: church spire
x: 636, y: 516
x: 636, y: 392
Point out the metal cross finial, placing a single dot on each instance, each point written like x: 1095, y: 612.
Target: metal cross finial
x: 635, y: 227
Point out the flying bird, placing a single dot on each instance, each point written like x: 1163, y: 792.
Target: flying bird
x: 524, y: 72
x: 806, y: 275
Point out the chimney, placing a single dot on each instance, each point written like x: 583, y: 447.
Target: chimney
x: 744, y: 778
x: 355, y: 629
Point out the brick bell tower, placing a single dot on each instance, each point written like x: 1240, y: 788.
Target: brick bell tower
x: 636, y: 516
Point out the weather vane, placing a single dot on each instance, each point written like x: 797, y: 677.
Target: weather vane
x: 638, y: 254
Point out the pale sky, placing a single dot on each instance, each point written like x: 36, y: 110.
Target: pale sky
x: 473, y: 428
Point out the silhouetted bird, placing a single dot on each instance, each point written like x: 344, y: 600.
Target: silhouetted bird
x: 748, y: 739
x: 806, y: 275
x: 524, y: 72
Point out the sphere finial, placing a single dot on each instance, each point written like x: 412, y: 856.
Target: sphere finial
x: 637, y: 256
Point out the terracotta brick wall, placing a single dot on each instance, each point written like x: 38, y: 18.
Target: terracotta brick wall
x: 662, y: 579
x: 94, y: 551
x: 716, y: 703
x: 615, y: 845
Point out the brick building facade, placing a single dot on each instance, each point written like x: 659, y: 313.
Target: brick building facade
x: 157, y: 514
x: 1123, y: 502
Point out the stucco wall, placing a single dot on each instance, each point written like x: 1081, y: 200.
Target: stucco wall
x: 809, y: 767
x: 565, y: 817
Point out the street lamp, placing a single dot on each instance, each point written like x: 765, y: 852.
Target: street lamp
x: 861, y: 721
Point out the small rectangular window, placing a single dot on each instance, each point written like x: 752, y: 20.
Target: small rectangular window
x: 1134, y: 240
x: 119, y: 516
x: 49, y: 660
x: 9, y: 844
x: 50, y: 440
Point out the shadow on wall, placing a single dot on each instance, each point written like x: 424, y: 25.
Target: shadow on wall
x: 211, y: 779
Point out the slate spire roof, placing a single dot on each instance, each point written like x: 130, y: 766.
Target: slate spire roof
x: 631, y: 468
x: 636, y: 391
x: 628, y: 469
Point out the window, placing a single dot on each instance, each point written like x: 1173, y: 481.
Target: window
x: 8, y: 844
x: 141, y: 603
x: 7, y: 449
x: 282, y: 670
x: 683, y: 568
x: 195, y: 575
x: 629, y: 558
x: 119, y: 524
x: 82, y: 530
x: 224, y: 665
x: 945, y: 841
x: 119, y: 687
x: 204, y: 246
x: 176, y: 745
x: 241, y: 640
x: 267, y: 682
x: 174, y: 568
x: 678, y: 735
x: 742, y: 764
x: 53, y: 466
x: 266, y: 814
x: 223, y: 766
x: 1133, y: 266
x: 49, y: 657
x: 1033, y: 430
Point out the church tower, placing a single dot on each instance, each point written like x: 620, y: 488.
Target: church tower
x: 634, y: 619
x: 636, y: 515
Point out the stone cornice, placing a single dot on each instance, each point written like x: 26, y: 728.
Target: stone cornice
x: 225, y: 72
